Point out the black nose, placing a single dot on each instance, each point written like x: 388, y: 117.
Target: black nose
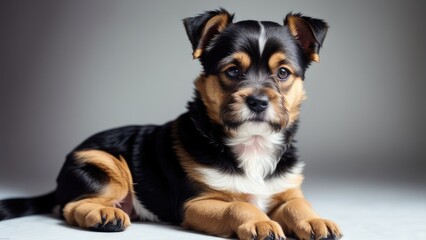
x: 257, y: 104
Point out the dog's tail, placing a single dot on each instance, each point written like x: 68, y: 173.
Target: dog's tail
x: 19, y: 207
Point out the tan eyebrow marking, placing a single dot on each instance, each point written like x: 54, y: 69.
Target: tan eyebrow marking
x: 277, y: 60
x: 241, y: 59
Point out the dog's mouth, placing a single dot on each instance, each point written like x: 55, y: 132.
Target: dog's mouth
x: 256, y: 117
x: 233, y: 124
x: 262, y: 119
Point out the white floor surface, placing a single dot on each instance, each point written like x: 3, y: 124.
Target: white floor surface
x: 363, y: 211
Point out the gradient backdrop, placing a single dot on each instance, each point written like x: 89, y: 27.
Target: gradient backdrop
x: 69, y: 69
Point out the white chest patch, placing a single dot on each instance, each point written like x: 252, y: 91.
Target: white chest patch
x: 255, y: 147
x: 260, y: 191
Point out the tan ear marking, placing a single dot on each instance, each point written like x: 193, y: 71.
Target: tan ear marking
x: 213, y: 26
x: 197, y: 53
x: 308, y: 32
x: 315, y: 57
x: 220, y: 21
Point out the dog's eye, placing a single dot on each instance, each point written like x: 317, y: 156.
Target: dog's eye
x: 232, y: 72
x: 283, y: 74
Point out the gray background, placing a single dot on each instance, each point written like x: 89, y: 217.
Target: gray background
x: 69, y: 69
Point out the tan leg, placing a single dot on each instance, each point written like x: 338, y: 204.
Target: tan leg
x: 99, y: 211
x: 215, y: 215
x: 297, y: 217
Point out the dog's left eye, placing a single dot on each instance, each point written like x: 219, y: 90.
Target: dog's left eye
x: 233, y: 72
x: 283, y: 73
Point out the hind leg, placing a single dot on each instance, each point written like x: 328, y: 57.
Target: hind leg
x: 101, y: 210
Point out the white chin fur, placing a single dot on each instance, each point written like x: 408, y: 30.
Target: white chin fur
x: 249, y: 129
x: 246, y: 113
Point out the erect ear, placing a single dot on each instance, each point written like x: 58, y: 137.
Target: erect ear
x: 309, y: 32
x: 202, y: 28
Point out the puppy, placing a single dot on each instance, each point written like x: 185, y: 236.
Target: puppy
x: 227, y: 166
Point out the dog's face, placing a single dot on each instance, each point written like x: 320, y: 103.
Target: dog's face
x: 253, y: 71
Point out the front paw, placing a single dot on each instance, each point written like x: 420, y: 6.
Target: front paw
x: 262, y: 230
x: 317, y: 229
x: 107, y: 219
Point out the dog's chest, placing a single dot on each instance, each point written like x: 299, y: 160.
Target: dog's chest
x: 257, y: 157
x: 257, y: 154
x: 255, y: 191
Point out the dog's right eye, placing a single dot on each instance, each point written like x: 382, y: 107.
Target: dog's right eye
x: 232, y: 72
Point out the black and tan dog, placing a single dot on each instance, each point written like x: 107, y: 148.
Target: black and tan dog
x: 227, y: 166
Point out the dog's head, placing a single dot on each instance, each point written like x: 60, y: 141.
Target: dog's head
x: 253, y: 71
